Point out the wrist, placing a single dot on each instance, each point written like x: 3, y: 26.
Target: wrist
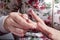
x: 5, y: 25
x: 41, y: 26
x: 45, y: 29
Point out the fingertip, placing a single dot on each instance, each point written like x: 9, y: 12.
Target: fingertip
x: 25, y: 16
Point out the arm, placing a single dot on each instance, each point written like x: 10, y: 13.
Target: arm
x: 50, y: 32
x: 2, y: 30
x: 2, y: 19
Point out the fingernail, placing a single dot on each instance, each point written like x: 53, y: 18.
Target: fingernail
x: 25, y: 16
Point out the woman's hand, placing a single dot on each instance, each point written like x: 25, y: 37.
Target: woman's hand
x: 18, y: 24
x: 36, y: 18
x: 50, y: 32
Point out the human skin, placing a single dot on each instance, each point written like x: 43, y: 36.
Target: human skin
x: 41, y: 26
x: 18, y: 23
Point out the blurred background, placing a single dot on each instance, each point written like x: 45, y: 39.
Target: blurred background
x: 47, y: 10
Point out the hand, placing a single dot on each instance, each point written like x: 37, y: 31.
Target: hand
x: 36, y: 18
x: 50, y: 32
x: 18, y: 24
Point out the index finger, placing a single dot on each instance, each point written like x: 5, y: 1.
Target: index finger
x: 33, y: 14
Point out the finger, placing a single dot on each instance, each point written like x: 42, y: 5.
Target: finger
x: 13, y: 23
x: 25, y: 16
x: 8, y: 23
x: 15, y: 13
x: 39, y: 26
x: 16, y: 31
x: 33, y: 24
x: 18, y: 18
x: 31, y: 12
x: 21, y: 32
x: 20, y: 14
x: 30, y: 21
x: 21, y: 21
